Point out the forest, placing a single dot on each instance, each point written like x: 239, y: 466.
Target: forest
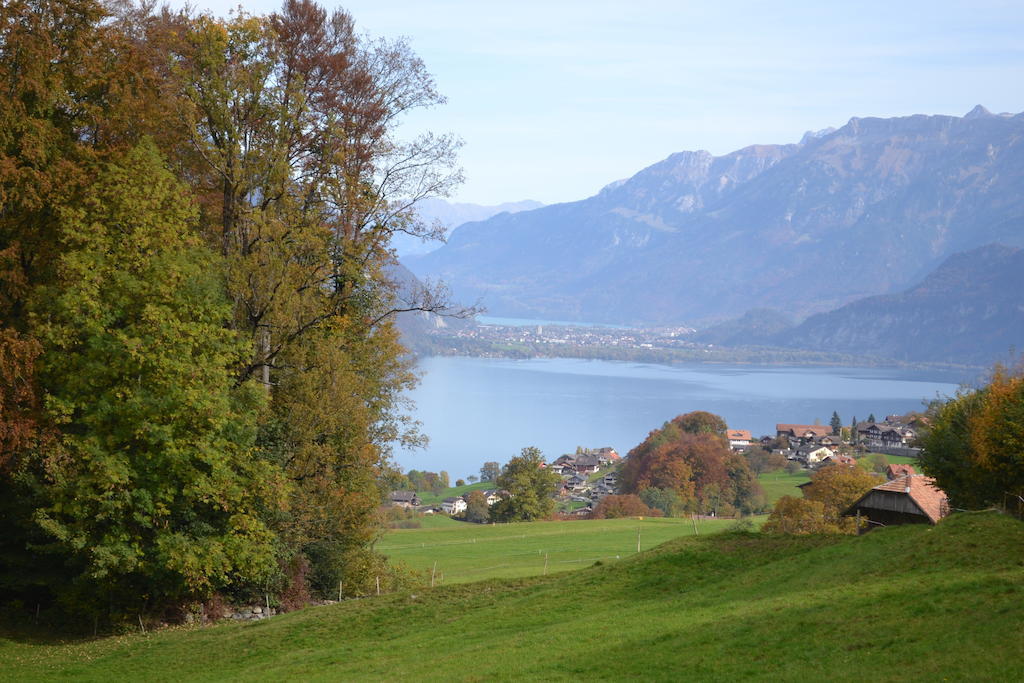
x: 202, y: 376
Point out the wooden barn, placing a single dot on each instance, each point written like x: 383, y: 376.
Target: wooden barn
x: 909, y: 499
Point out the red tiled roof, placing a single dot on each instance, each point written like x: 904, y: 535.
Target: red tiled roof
x: 923, y: 492
x: 893, y: 471
x: 738, y: 435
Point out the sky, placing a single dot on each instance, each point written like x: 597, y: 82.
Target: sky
x: 555, y: 99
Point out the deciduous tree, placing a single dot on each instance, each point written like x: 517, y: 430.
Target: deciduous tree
x: 530, y: 486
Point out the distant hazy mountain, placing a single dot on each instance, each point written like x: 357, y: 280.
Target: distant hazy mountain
x: 758, y: 327
x: 802, y: 228
x: 452, y: 215
x: 969, y: 310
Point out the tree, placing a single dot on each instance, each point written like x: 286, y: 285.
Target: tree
x: 973, y: 445
x: 460, y: 482
x: 476, y: 507
x: 691, y: 456
x: 853, y: 430
x: 628, y: 505
x: 761, y: 460
x: 871, y: 418
x: 531, y: 488
x: 490, y: 471
x: 288, y: 184
x: 154, y: 482
x: 837, y: 487
x: 667, y: 501
x: 798, y: 516
x: 472, y: 479
x: 836, y: 423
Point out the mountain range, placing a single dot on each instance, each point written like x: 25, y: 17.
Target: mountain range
x: 867, y: 209
x: 451, y: 215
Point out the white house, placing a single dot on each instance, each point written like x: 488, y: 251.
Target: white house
x: 453, y: 506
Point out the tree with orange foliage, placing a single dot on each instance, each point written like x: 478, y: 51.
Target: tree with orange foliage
x: 690, y: 456
x: 975, y: 446
x: 627, y: 505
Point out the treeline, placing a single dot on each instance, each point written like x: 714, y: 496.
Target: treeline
x: 201, y: 379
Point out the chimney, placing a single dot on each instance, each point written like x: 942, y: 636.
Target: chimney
x: 907, y: 489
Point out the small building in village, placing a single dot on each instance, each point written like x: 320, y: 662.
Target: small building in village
x: 739, y: 438
x: 798, y: 434
x: 404, y: 499
x: 453, y: 506
x: 909, y: 499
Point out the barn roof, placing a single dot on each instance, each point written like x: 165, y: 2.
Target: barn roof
x: 921, y: 489
x: 897, y: 470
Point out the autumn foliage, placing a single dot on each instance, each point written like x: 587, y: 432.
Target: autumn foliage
x: 202, y: 381
x: 974, y: 447
x: 833, y: 489
x: 690, y: 456
x: 626, y: 505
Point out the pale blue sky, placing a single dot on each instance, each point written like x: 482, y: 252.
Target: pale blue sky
x: 556, y: 99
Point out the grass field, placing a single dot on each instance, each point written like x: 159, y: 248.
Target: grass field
x: 782, y: 483
x: 902, y: 603
x: 470, y: 552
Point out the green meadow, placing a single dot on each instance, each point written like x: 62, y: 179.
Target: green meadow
x: 458, y: 552
x: 901, y: 603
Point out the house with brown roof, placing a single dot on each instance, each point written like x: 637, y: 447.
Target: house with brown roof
x: 404, y: 499
x: 802, y: 433
x: 838, y: 459
x: 739, y: 438
x: 910, y: 499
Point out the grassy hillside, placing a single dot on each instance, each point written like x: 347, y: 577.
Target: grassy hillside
x: 901, y: 603
x: 470, y: 552
x: 430, y: 498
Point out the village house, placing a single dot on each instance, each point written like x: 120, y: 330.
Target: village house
x: 838, y: 459
x: 812, y: 454
x: 453, y: 506
x: 885, y: 434
x: 492, y: 496
x: 800, y: 434
x: 404, y: 499
x: 830, y: 440
x: 909, y: 499
x: 606, y: 455
x: 739, y: 439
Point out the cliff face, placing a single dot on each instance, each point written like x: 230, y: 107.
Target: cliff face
x: 866, y: 209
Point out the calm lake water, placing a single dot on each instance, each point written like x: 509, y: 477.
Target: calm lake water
x: 480, y: 409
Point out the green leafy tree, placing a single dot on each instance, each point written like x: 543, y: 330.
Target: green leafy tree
x: 490, y: 471
x: 531, y: 488
x: 973, y: 445
x: 154, y: 489
x: 836, y: 423
x: 668, y: 501
x: 837, y: 487
x: 476, y: 507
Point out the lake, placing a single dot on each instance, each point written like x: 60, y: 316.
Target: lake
x: 480, y: 409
